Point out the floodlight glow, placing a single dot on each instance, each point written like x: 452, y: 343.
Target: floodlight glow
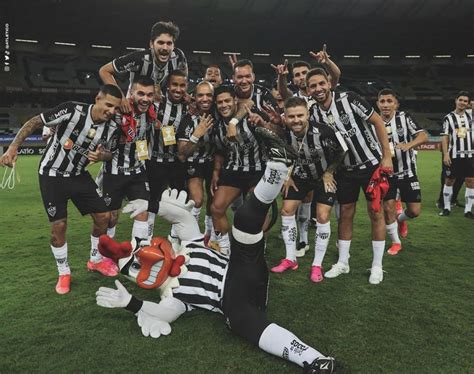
x: 135, y: 49
x: 101, y: 46
x: 351, y: 56
x: 232, y: 53
x: 26, y: 41
x: 442, y: 56
x: 291, y: 55
x: 65, y: 43
x: 202, y: 52
x: 262, y: 54
x: 381, y: 56
x: 413, y: 56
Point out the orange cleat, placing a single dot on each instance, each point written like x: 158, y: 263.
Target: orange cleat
x: 107, y: 267
x: 394, y: 249
x: 64, y: 284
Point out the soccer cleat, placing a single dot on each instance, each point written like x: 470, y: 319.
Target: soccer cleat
x: 319, y: 366
x: 302, y: 249
x: 394, y: 249
x: 439, y: 204
x: 336, y: 270
x: 284, y: 265
x: 376, y: 275
x: 469, y: 215
x: 402, y: 228
x: 104, y: 267
x: 64, y: 284
x: 456, y: 203
x: 316, y: 274
x: 445, y: 213
x: 277, y: 149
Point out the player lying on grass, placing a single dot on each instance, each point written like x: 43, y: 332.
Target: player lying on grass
x: 197, y: 277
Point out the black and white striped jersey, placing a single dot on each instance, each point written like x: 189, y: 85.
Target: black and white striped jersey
x: 402, y: 129
x: 143, y: 63
x: 76, y: 134
x: 348, y: 115
x: 205, y: 151
x: 125, y: 160
x: 243, y: 155
x: 459, y: 128
x: 260, y: 96
x: 169, y: 114
x: 297, y: 93
x: 202, y: 286
x: 316, y: 150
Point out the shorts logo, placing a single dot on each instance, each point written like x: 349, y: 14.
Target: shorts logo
x: 68, y: 144
x: 448, y: 172
x: 52, y: 211
x: 345, y: 119
x: 191, y: 171
x: 107, y: 200
x: 415, y: 185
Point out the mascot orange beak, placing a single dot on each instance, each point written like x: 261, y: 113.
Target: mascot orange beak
x: 159, y: 250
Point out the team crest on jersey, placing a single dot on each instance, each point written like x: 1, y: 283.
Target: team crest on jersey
x: 345, y: 119
x: 331, y: 119
x: 107, y: 200
x: 91, y: 133
x: 52, y: 211
x: 75, y: 132
x: 68, y: 144
x: 399, y: 131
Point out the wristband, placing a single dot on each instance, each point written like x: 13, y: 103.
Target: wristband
x: 233, y: 121
x: 193, y: 139
x: 134, y: 305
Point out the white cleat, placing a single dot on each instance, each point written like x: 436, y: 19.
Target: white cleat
x: 376, y: 275
x: 302, y: 249
x: 336, y: 270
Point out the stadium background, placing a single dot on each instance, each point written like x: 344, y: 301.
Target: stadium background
x: 417, y: 321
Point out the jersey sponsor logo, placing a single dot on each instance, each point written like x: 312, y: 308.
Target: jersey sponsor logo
x: 62, y: 112
x: 80, y: 150
x: 68, y: 144
x: 51, y: 210
x: 370, y: 143
x: 131, y: 65
x: 359, y: 105
x: 349, y: 133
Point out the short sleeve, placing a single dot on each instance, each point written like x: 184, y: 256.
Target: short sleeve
x: 58, y: 115
x: 360, y: 105
x: 130, y: 62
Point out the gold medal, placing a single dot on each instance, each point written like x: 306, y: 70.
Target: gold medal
x: 331, y: 119
x: 461, y: 132
x: 91, y: 133
x: 169, y: 137
x: 142, y: 150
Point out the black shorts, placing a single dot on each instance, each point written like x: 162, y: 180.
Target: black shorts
x: 203, y: 171
x: 82, y: 190
x: 117, y: 187
x: 409, y: 190
x: 460, y: 168
x: 349, y: 184
x: 305, y: 186
x: 243, y: 180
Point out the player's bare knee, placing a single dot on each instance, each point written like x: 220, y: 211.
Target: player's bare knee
x: 217, y: 210
x: 101, y: 220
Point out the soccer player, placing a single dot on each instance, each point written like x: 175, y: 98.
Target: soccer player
x: 164, y: 169
x: 320, y: 154
x: 238, y: 163
x: 124, y: 175
x: 84, y: 133
x: 156, y: 63
x: 195, y: 147
x: 458, y: 153
x: 355, y: 120
x: 404, y: 135
x: 235, y: 287
x: 213, y: 75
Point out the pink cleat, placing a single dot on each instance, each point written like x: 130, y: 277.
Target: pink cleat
x: 316, y: 274
x: 284, y: 265
x: 106, y: 267
x: 394, y: 249
x: 64, y: 284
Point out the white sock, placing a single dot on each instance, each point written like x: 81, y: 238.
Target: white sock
x: 140, y: 229
x: 196, y: 212
x: 304, y: 214
x: 344, y: 247
x: 447, y: 193
x: 378, y: 247
x: 111, y: 231
x: 208, y: 225
x: 95, y: 254
x: 323, y: 234
x: 288, y: 232
x: 392, y: 231
x: 269, y: 186
x: 224, y: 243
x: 60, y: 255
x: 403, y: 217
x: 469, y: 196
x: 283, y: 343
x: 151, y: 224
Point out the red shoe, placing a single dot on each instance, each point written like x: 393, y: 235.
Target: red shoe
x: 64, y: 284
x: 284, y: 265
x: 398, y: 207
x: 316, y: 274
x: 403, y: 228
x: 106, y: 268
x: 394, y: 249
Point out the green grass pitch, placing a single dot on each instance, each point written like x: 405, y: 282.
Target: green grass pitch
x: 418, y: 320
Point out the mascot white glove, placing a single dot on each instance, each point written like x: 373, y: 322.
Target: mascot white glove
x: 110, y: 298
x: 136, y: 207
x: 175, y: 209
x: 152, y: 326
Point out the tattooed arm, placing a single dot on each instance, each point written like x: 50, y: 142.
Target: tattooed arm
x: 10, y: 156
